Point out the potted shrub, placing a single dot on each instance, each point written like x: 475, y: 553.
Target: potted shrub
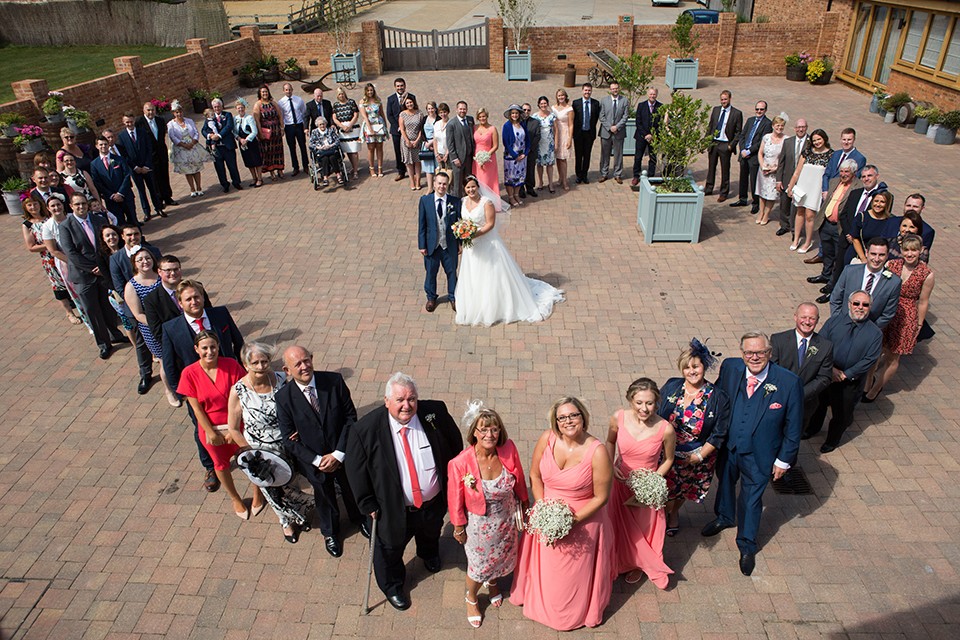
x: 634, y: 74
x: 29, y: 138
x: 923, y: 118
x: 348, y: 65
x: 53, y: 107
x: 162, y: 105
x: 269, y: 66
x: 949, y: 123
x: 77, y: 119
x: 250, y: 75
x: 199, y: 98
x: 891, y: 103
x: 820, y: 71
x: 797, y: 66
x: 671, y: 207
x: 878, y: 94
x: 292, y: 69
x: 9, y: 121
x: 519, y: 16
x: 13, y: 189
x: 682, y: 67
x: 934, y: 120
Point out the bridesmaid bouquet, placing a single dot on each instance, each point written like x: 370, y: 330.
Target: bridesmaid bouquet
x: 482, y: 157
x: 550, y: 520
x: 649, y: 489
x: 465, y: 230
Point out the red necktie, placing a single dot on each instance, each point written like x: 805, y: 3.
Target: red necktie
x: 752, y: 383
x: 199, y: 322
x: 411, y: 469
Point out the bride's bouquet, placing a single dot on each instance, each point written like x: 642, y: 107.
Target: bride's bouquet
x: 482, y: 157
x: 465, y: 230
x: 550, y: 520
x: 649, y: 489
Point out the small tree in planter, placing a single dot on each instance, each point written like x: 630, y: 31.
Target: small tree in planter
x: 923, y: 118
x: 292, y: 69
x: 891, y: 103
x: 8, y: 122
x: 879, y: 93
x: 797, y: 65
x: 519, y: 16
x: 348, y: 64
x: 269, y: 66
x: 671, y: 207
x: 682, y: 68
x: 250, y: 75
x: 53, y: 107
x: 820, y: 71
x: 634, y: 74
x: 200, y: 99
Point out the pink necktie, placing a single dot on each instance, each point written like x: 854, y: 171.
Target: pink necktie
x: 88, y: 228
x: 106, y: 162
x: 752, y: 383
x: 411, y: 469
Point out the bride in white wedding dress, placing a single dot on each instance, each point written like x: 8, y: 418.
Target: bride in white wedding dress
x: 491, y: 287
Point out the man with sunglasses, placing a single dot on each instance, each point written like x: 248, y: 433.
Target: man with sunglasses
x: 750, y: 137
x: 766, y: 420
x: 857, y: 345
x: 882, y: 285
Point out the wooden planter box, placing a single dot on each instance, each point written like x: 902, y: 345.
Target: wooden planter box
x: 348, y: 66
x: 517, y: 65
x: 682, y: 74
x: 665, y: 217
x: 630, y: 143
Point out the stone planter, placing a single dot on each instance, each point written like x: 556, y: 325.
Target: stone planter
x: 630, y: 143
x: 881, y: 112
x: 932, y: 131
x: 33, y: 146
x: 11, y: 131
x: 682, y: 73
x: 664, y: 217
x: 518, y: 65
x: 55, y: 118
x: 14, y: 206
x: 945, y: 135
x: 199, y: 104
x: 271, y: 75
x: 797, y: 74
x: 921, y: 125
x: 874, y: 104
x: 349, y: 67
x: 889, y: 117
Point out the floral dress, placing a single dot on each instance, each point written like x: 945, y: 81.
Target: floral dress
x: 546, y: 153
x: 46, y: 258
x: 900, y: 336
x: 491, y: 545
x: 378, y: 133
x: 690, y: 481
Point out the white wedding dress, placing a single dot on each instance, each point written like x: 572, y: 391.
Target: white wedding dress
x: 491, y: 288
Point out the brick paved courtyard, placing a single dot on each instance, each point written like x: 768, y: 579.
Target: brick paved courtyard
x: 107, y: 532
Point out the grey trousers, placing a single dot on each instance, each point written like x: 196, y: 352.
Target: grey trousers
x: 608, y: 145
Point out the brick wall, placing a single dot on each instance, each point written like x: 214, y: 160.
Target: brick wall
x: 791, y: 10
x: 320, y: 46
x: 945, y: 98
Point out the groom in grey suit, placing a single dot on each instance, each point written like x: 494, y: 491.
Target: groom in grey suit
x: 613, y: 131
x: 461, y: 147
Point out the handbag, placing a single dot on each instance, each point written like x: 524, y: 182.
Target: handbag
x: 267, y: 132
x: 427, y: 154
x: 379, y: 129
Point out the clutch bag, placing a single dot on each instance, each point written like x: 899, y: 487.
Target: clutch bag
x: 267, y: 132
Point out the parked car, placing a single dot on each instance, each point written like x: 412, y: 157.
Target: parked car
x: 672, y: 3
x: 703, y: 16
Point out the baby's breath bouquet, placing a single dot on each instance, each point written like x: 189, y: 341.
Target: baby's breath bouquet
x: 649, y: 489
x: 482, y: 157
x: 550, y: 520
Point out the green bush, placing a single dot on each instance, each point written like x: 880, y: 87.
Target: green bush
x: 683, y: 136
x: 951, y: 120
x: 685, y: 41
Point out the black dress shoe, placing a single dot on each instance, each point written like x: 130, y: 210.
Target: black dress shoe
x: 172, y: 203
x: 226, y: 189
x: 105, y: 352
x: 826, y: 289
x: 739, y: 203
x: 238, y: 187
x: 432, y: 564
x: 578, y: 180
x: 782, y: 232
x: 827, y: 448
x: 585, y: 181
x: 715, y: 527
x: 333, y: 546
x: 144, y: 385
x: 821, y: 279
x: 147, y: 217
x: 532, y: 193
x: 824, y: 299
x: 162, y: 213
x: 806, y: 435
x: 119, y: 339
x: 754, y: 210
x: 523, y: 192
x: 747, y: 562
x: 364, y: 529
x: 398, y: 601
x: 296, y: 172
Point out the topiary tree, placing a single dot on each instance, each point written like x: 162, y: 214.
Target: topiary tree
x: 685, y: 41
x: 634, y: 74
x: 519, y: 16
x: 682, y: 137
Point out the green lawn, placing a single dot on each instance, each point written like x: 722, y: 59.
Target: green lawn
x: 65, y: 66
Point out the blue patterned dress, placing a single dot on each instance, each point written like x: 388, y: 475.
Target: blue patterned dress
x: 690, y: 481
x: 148, y: 337
x: 546, y: 153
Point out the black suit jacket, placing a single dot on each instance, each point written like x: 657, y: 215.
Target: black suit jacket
x: 647, y: 122
x: 319, y: 433
x: 817, y: 370
x: 121, y: 270
x: 393, y: 111
x: 159, y: 307
x: 578, y: 131
x: 371, y: 465
x: 82, y: 258
x: 137, y: 153
x: 732, y: 126
x: 763, y: 128
x: 160, y: 142
x: 178, y: 351
x: 325, y: 109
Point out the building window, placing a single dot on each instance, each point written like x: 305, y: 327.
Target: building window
x: 930, y: 47
x: 951, y: 63
x: 935, y: 36
x: 911, y: 46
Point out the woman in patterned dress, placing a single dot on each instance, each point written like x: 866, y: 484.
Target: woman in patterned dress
x: 374, y: 128
x: 900, y: 336
x: 700, y: 415
x: 411, y: 132
x: 516, y: 148
x: 270, y: 129
x: 253, y: 424
x: 440, y: 147
x: 50, y: 235
x: 769, y: 154
x: 546, y: 151
x: 429, y: 165
x: 35, y: 214
x: 187, y: 154
x: 486, y: 486
x: 346, y: 116
x: 564, y: 112
x: 807, y: 180
x: 145, y: 279
x: 77, y: 179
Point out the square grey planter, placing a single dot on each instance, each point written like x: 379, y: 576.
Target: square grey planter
x: 348, y: 66
x: 630, y: 143
x: 682, y: 74
x: 517, y: 65
x: 665, y: 217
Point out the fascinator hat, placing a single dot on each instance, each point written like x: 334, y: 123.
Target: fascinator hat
x: 474, y: 407
x: 698, y: 349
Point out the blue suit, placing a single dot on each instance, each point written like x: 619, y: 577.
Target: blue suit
x: 139, y: 153
x: 116, y: 179
x: 763, y: 429
x: 833, y: 166
x: 224, y: 149
x: 428, y: 240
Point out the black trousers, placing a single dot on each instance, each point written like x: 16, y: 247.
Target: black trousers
x: 294, y: 135
x: 841, y: 397
x: 718, y: 151
x: 226, y: 160
x: 325, y: 495
x: 748, y: 178
x: 145, y: 184
x: 161, y: 175
x: 402, y: 168
x: 644, y: 147
x: 530, y: 183
x: 144, y: 357
x: 103, y: 319
x: 202, y: 453
x: 788, y: 211
x: 830, y: 247
x: 424, y: 526
x: 582, y: 149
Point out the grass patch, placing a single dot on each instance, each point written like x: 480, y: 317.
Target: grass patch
x: 66, y: 66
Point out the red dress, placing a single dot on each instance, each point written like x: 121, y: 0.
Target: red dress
x: 212, y: 397
x: 900, y: 336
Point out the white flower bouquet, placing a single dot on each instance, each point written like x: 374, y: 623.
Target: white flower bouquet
x: 649, y: 489
x: 482, y: 157
x: 550, y: 520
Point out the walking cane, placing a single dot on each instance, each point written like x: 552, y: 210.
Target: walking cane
x: 373, y: 537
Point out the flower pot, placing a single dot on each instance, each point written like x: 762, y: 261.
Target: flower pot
x: 921, y: 125
x: 669, y: 216
x: 874, y: 104
x: 348, y: 67
x: 199, y: 104
x: 681, y: 73
x: 293, y: 74
x: 11, y: 131
x: 271, y: 75
x: 945, y: 135
x: 518, y: 65
x: 77, y: 129
x: 823, y: 79
x: 932, y: 131
x: 33, y: 146
x: 889, y: 117
x: 14, y: 206
x: 881, y: 112
x: 25, y: 166
x: 55, y: 118
x: 797, y: 73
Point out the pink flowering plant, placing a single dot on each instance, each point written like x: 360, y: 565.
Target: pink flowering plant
x: 25, y: 134
x: 161, y: 104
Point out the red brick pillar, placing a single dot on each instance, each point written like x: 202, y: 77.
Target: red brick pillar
x: 495, y: 37
x: 133, y: 67
x: 33, y: 90
x: 252, y: 33
x: 370, y: 50
x: 624, y: 36
x: 724, y: 45
x: 832, y: 38
x: 201, y: 47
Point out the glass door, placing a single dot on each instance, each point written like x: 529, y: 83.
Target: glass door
x: 872, y: 44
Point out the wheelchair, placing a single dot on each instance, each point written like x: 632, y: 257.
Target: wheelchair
x: 335, y: 160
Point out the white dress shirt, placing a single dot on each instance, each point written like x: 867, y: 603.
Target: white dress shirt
x: 423, y: 460
x: 287, y: 106
x: 723, y: 121
x: 193, y: 322
x: 303, y: 389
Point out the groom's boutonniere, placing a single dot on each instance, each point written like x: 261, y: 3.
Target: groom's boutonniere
x: 449, y: 208
x: 768, y: 389
x: 430, y: 417
x: 886, y: 273
x: 469, y: 481
x: 812, y: 350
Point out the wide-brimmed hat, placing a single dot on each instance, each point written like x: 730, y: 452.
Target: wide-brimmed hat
x: 512, y: 107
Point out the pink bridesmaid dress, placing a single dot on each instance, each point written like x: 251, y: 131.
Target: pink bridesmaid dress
x: 567, y: 585
x: 639, y: 531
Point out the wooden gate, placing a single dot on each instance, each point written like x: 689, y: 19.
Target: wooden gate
x: 407, y: 50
